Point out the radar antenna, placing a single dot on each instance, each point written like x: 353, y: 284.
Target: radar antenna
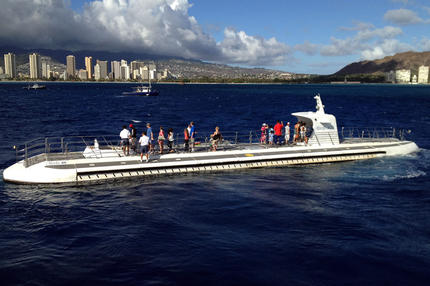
x: 320, y: 106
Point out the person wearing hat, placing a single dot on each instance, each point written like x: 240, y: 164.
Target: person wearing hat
x: 133, y: 138
x: 287, y: 133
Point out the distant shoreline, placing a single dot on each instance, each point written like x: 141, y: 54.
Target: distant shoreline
x: 208, y: 83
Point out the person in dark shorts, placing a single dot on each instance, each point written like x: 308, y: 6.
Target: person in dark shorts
x: 125, y: 140
x: 144, y: 147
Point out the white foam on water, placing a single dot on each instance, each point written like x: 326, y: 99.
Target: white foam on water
x: 410, y: 174
x: 136, y: 121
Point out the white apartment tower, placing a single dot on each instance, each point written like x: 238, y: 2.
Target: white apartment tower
x: 35, y: 66
x: 423, y: 74
x: 46, y: 70
x: 97, y: 72
x: 89, y: 67
x: 403, y: 76
x: 10, y: 65
x: 116, y: 69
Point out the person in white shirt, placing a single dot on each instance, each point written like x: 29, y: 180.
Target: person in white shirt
x: 144, y: 147
x: 287, y: 133
x: 125, y: 140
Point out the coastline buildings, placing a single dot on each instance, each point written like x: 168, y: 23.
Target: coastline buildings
x: 10, y: 65
x: 89, y: 67
x: 70, y: 66
x: 35, y: 66
x: 46, y: 71
x: 423, y: 74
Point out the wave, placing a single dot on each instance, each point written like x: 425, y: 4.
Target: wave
x: 410, y: 174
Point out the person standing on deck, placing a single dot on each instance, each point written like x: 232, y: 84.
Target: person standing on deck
x: 192, y: 135
x: 278, y: 131
x: 263, y: 138
x: 144, y: 147
x: 170, y: 140
x: 161, y: 139
x: 296, y: 131
x: 133, y: 139
x: 150, y: 134
x: 125, y: 137
x: 186, y: 140
x: 287, y: 133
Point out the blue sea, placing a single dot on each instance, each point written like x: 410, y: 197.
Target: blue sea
x: 352, y: 223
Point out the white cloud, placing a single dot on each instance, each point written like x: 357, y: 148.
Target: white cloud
x: 241, y: 48
x: 403, y: 17
x: 161, y: 27
x: 363, y: 40
x: 387, y: 47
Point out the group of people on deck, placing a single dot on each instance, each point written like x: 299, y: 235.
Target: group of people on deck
x: 146, y: 142
x: 272, y: 135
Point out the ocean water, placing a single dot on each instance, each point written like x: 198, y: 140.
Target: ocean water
x: 352, y: 223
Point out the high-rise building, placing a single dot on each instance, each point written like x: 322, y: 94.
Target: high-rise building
x: 35, y: 66
x: 10, y: 65
x: 423, y: 74
x: 144, y: 73
x: 46, y: 71
x: 1, y: 70
x: 71, y: 66
x: 103, y: 69
x: 403, y: 76
x: 116, y: 70
x: 97, y: 72
x: 125, y: 72
x: 89, y: 67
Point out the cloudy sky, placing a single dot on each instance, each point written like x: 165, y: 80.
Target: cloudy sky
x: 313, y: 36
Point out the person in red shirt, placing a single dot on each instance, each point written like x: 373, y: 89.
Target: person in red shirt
x: 278, y: 131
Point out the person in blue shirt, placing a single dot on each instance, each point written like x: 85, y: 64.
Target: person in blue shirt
x: 151, y: 137
x: 192, y: 135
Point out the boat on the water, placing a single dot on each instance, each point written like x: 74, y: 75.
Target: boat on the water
x: 142, y: 90
x: 97, y: 158
x: 35, y: 86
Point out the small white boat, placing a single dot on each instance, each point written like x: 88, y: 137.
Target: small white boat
x: 53, y: 160
x: 35, y: 86
x: 142, y: 91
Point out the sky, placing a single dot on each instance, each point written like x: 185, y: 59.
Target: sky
x: 313, y: 36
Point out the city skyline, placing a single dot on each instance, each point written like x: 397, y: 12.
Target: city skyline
x: 316, y: 37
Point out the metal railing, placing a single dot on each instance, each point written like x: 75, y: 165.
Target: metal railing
x: 72, y: 147
x: 367, y: 133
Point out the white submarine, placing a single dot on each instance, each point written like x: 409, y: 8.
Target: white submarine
x: 53, y: 160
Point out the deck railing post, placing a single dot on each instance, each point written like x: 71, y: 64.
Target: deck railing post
x: 394, y: 132
x: 343, y: 137
x: 235, y: 139
x: 250, y: 137
x: 62, y: 144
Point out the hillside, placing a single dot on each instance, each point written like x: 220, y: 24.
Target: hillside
x: 407, y: 60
